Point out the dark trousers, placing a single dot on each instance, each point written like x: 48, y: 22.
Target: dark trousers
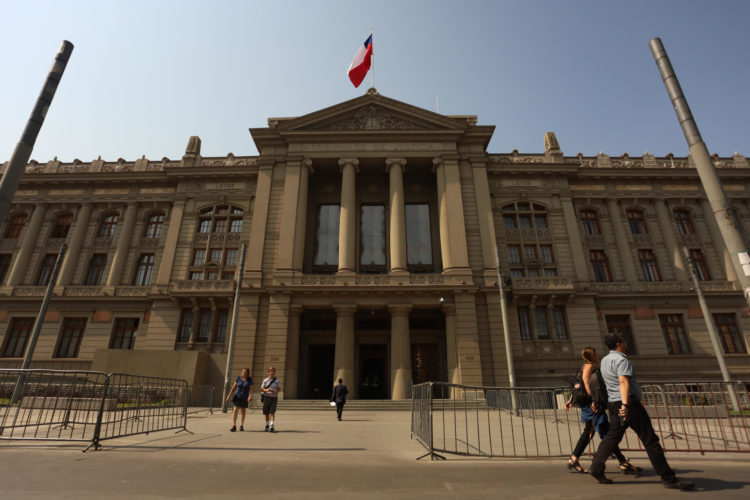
x: 340, y: 408
x: 639, y: 421
x: 588, y: 432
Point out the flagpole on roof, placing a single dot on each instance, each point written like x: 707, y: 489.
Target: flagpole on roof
x: 372, y: 32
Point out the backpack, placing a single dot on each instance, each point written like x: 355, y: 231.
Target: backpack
x: 598, y: 389
x: 578, y: 397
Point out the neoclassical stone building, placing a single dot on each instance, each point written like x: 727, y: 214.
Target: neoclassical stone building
x: 372, y: 229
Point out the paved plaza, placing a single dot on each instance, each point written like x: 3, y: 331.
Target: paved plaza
x: 368, y: 455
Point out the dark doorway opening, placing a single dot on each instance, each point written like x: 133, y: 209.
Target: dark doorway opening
x: 373, y: 383
x: 318, y: 380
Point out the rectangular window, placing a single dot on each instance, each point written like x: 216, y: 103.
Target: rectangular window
x: 418, y: 236
x: 96, y: 269
x: 540, y: 323
x: 212, y: 274
x: 235, y: 226
x: 533, y: 273
x: 17, y: 337
x: 71, y: 335
x: 509, y: 221
x: 523, y: 323
x: 186, y: 326
x: 220, y: 226
x: 674, y: 334
x: 230, y: 257
x: 516, y: 273
x: 228, y: 275
x: 221, y: 325
x: 45, y: 272
x: 540, y: 221
x: 550, y: 273
x: 15, y: 227
x: 699, y: 264
x: 326, y: 259
x: 637, y: 222
x: 154, y: 225
x: 599, y: 265
x: 372, y: 238
x: 215, y: 255
x: 590, y: 222
x: 648, y: 265
x: 524, y: 221
x: 561, y: 328
x: 204, y: 325
x: 144, y: 269
x: 529, y: 253
x: 514, y: 254
x: 620, y: 323
x: 205, y: 226
x: 62, y: 226
x: 547, y: 255
x: 195, y: 275
x: 199, y: 257
x: 729, y: 333
x: 123, y: 333
x: 4, y: 265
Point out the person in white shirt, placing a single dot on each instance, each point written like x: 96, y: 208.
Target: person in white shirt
x: 270, y: 395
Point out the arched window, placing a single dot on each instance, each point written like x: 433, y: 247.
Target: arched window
x: 216, y: 259
x: 637, y: 221
x: 61, y: 225
x: 15, y: 226
x: 590, y: 221
x: 684, y: 221
x: 154, y: 224
x: 107, y: 225
x: 524, y: 215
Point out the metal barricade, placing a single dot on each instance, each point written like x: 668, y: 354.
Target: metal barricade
x: 203, y: 398
x: 533, y: 422
x: 70, y: 405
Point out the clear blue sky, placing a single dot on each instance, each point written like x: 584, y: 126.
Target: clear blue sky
x: 146, y: 75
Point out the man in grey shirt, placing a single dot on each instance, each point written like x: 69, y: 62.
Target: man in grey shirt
x: 625, y: 410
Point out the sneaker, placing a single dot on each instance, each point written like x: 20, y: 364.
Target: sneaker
x: 676, y: 484
x: 266, y: 427
x: 271, y: 429
x: 234, y: 428
x: 242, y: 428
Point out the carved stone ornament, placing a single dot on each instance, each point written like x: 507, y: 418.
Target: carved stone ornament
x: 374, y: 117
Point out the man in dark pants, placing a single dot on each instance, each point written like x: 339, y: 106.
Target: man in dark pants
x: 625, y: 410
x: 338, y: 396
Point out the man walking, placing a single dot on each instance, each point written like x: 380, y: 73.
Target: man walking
x: 626, y: 410
x: 338, y: 396
x: 270, y: 389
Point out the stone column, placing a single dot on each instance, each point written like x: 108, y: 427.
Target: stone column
x: 717, y: 241
x: 455, y: 212
x: 301, y: 223
x: 123, y: 245
x: 574, y: 236
x: 30, y: 237
x: 445, y: 248
x: 623, y: 249
x: 343, y: 364
x: 451, y: 346
x: 401, y: 378
x: 292, y: 356
x: 348, y: 215
x: 254, y: 260
x: 170, y: 245
x: 486, y: 219
x: 288, y: 217
x: 73, y: 254
x: 663, y: 215
x: 395, y: 168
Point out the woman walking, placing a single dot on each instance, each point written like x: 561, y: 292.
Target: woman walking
x: 593, y: 418
x: 243, y: 393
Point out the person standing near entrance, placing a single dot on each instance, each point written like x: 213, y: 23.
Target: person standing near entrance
x: 626, y: 410
x: 338, y: 396
x: 270, y: 389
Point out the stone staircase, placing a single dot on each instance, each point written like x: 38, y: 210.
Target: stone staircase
x: 351, y: 405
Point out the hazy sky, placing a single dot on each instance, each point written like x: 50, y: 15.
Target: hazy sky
x: 146, y: 75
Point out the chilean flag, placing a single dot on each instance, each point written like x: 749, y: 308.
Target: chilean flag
x: 361, y: 64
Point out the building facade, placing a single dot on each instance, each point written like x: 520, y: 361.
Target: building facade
x: 372, y: 228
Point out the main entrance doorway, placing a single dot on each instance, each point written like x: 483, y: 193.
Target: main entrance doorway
x: 372, y: 376
x: 317, y: 383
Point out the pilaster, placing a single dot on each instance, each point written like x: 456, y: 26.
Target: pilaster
x: 401, y: 376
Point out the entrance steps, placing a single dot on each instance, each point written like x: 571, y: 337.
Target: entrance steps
x: 351, y: 405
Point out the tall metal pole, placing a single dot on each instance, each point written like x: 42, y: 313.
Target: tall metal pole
x: 506, y: 334
x: 12, y: 175
x: 717, y: 198
x: 711, y: 330
x: 38, y: 324
x: 233, y: 329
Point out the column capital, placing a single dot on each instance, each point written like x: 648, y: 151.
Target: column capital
x: 345, y: 309
x: 400, y: 309
x: 396, y: 161
x: 343, y: 162
x: 437, y: 162
x: 307, y: 162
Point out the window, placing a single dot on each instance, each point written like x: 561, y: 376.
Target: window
x: 590, y: 221
x: 186, y: 326
x: 96, y: 269
x: 143, y: 270
x: 228, y: 275
x: 561, y: 329
x: 230, y: 257
x: 648, y: 265
x: 220, y: 226
x: 523, y: 323
x: 123, y: 333
x: 524, y: 215
x: 154, y: 225
x: 529, y: 253
x: 107, y: 225
x: 544, y: 318
x: 547, y: 255
x: 212, y: 274
x: 220, y: 219
x: 684, y: 221
x: 204, y: 325
x: 540, y: 323
x: 236, y: 226
x: 45, y: 272
x: 61, y: 226
x: 326, y: 258
x: 4, y: 265
x: 514, y: 254
x: 637, y: 222
x: 599, y: 265
x: 674, y: 334
x: 221, y: 325
x: 17, y: 337
x: 205, y: 226
x: 215, y: 255
x: 372, y: 239
x: 70, y: 338
x: 418, y: 238
x: 550, y: 273
x: 15, y: 227
x: 729, y: 333
x: 699, y: 264
x: 195, y: 275
x: 516, y: 273
x: 199, y: 257
x: 620, y: 323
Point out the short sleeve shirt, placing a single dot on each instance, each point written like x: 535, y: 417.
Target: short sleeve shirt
x: 275, y: 385
x: 242, y: 391
x: 614, y: 365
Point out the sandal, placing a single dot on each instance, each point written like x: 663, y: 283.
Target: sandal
x: 575, y: 466
x: 628, y: 468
